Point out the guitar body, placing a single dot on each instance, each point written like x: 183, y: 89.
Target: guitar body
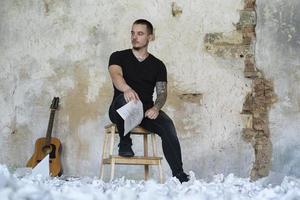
x: 48, y: 145
x: 42, y: 150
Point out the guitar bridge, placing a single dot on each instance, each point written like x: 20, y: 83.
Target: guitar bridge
x: 50, y: 161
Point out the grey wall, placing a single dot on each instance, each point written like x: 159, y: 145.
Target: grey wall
x: 278, y: 55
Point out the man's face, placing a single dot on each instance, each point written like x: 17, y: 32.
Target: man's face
x: 140, y: 36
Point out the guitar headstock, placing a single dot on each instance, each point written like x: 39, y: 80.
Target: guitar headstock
x: 54, y: 104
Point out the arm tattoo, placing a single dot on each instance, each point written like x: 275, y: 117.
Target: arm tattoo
x: 161, y: 91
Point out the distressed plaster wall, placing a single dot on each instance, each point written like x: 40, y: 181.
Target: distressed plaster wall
x: 277, y: 54
x: 61, y: 48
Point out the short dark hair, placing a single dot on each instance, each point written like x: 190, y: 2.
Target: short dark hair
x: 145, y: 22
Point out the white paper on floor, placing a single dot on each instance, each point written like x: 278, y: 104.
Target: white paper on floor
x: 42, y: 168
x: 230, y: 187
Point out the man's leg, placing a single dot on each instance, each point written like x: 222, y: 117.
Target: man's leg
x: 125, y: 141
x: 164, y: 127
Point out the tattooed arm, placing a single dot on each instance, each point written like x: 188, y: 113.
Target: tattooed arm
x: 161, y: 91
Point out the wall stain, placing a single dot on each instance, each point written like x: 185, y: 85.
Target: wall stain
x: 75, y: 109
x: 179, y: 99
x: 48, y: 4
x: 176, y: 10
x: 51, y: 5
x: 78, y: 110
x: 191, y: 97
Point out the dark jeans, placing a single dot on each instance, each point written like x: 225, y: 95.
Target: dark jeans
x: 162, y: 125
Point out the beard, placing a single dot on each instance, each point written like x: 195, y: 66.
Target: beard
x: 139, y: 47
x: 136, y: 48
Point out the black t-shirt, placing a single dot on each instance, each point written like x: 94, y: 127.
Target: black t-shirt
x: 140, y: 76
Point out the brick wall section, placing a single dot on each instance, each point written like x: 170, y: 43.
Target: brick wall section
x: 257, y: 102
x: 249, y: 5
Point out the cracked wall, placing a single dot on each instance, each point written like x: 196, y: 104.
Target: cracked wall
x: 61, y: 48
x: 241, y: 44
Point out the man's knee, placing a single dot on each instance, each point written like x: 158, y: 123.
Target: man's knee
x: 118, y: 102
x: 165, y: 119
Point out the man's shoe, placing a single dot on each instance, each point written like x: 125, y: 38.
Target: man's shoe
x: 182, y: 177
x: 125, y: 150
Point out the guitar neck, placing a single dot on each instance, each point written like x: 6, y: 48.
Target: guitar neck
x: 50, y: 126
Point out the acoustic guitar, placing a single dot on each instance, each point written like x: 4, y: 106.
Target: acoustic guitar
x: 48, y: 145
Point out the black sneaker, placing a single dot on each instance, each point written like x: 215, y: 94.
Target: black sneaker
x: 182, y: 177
x: 125, y: 150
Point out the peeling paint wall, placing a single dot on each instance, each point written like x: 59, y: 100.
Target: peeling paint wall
x: 277, y: 54
x: 61, y: 48
x: 241, y: 43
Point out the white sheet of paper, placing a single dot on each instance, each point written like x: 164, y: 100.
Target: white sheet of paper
x: 42, y: 167
x: 132, y: 113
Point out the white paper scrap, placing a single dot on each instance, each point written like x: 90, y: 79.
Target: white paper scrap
x: 42, y: 167
x: 132, y: 113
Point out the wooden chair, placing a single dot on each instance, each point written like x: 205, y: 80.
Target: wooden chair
x: 146, y: 160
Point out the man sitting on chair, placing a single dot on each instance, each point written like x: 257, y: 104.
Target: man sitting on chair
x: 135, y: 73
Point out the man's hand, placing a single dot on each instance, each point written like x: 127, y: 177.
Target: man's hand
x: 152, y: 113
x: 130, y: 95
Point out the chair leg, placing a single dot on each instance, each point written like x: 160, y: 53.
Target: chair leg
x: 112, y: 140
x: 154, y: 146
x: 153, y: 140
x: 112, y: 172
x: 160, y: 173
x: 103, y: 155
x: 146, y: 167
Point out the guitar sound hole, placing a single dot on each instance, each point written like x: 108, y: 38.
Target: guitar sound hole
x: 47, y: 149
x: 50, y: 150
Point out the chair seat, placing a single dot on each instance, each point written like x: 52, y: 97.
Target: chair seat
x: 136, y: 160
x: 137, y: 130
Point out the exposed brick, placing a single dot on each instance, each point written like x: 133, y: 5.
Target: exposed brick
x: 248, y: 104
x: 247, y: 17
x: 249, y: 64
x: 265, y: 133
x: 249, y: 4
x: 250, y: 72
x: 247, y: 40
x: 259, y: 105
x: 268, y: 85
x: 258, y: 81
x: 228, y: 50
x: 259, y: 124
x: 249, y: 29
x: 263, y: 171
x: 259, y: 100
x: 248, y: 32
x: 212, y: 37
x: 249, y: 134
x: 250, y: 68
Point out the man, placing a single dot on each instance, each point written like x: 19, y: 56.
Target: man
x: 135, y: 73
